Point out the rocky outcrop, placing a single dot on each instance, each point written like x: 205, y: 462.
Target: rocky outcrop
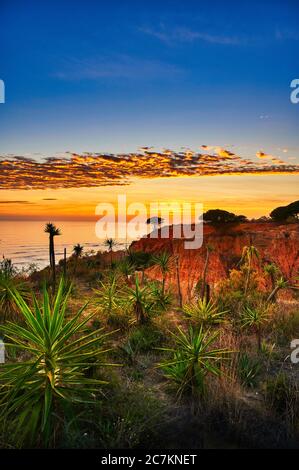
x: 277, y: 243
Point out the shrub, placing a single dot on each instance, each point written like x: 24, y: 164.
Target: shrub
x: 282, y: 393
x: 145, y: 338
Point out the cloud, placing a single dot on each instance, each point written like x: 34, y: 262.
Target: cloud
x: 263, y: 155
x: 182, y: 34
x: 121, y: 66
x: 268, y: 156
x: 16, y: 202
x: 286, y: 35
x: 97, y: 169
x: 49, y: 199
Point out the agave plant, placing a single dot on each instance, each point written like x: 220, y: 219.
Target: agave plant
x: 254, y: 319
x: 204, y: 313
x: 193, y: 358
x: 57, y: 353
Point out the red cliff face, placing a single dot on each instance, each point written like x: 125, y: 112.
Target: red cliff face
x: 276, y: 243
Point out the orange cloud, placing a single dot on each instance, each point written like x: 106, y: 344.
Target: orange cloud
x: 94, y: 169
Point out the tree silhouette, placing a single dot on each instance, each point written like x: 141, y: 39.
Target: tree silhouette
x: 53, y: 231
x: 77, y: 252
x: 110, y: 243
x: 155, y: 222
x: 219, y: 216
x: 284, y: 212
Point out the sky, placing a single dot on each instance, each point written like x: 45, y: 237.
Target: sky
x: 171, y: 100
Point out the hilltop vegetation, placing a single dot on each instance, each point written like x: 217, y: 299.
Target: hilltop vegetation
x: 110, y: 351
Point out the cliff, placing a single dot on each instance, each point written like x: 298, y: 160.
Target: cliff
x: 276, y: 243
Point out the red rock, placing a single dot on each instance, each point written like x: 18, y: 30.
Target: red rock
x: 276, y: 243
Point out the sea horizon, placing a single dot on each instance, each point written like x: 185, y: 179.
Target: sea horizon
x: 25, y: 243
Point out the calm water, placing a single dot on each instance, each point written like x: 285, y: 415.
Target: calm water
x: 25, y: 242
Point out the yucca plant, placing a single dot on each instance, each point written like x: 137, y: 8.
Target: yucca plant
x: 141, y: 260
x: 8, y: 307
x: 204, y: 313
x: 248, y: 369
x: 164, y: 262
x: 281, y: 283
x: 272, y: 271
x: 52, y: 375
x: 161, y: 300
x: 53, y: 231
x: 248, y: 255
x: 254, y: 319
x: 141, y: 300
x: 108, y: 298
x: 126, y: 267
x: 193, y: 358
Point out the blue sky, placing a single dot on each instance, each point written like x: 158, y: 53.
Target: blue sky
x: 113, y: 76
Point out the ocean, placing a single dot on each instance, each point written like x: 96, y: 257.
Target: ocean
x: 24, y: 242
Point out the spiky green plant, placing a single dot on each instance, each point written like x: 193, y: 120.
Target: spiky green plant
x: 271, y: 270
x: 204, y: 313
x: 108, y: 298
x: 255, y: 319
x: 247, y: 370
x: 281, y: 283
x: 141, y: 300
x: 161, y: 300
x: 164, y: 262
x: 126, y: 267
x: 9, y: 282
x: 193, y: 358
x: 248, y: 255
x: 141, y: 260
x: 51, y: 375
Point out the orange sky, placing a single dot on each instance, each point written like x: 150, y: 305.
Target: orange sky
x: 251, y: 195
